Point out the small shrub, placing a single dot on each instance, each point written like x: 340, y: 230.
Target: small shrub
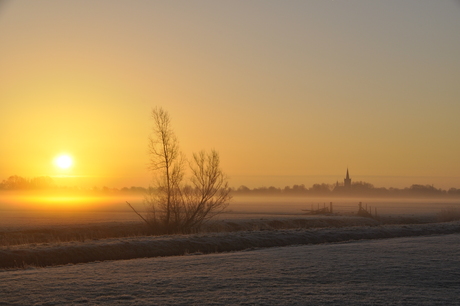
x: 449, y: 214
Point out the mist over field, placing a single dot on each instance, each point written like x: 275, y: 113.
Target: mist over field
x: 32, y: 208
x: 82, y: 230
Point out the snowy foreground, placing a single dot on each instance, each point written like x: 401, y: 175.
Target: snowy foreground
x: 420, y: 270
x: 48, y: 254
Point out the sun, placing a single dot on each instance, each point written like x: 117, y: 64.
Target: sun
x: 63, y: 161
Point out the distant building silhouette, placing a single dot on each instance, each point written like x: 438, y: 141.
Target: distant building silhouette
x: 346, y: 183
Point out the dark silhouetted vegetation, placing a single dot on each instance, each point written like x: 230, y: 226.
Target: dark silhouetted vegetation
x: 356, y: 189
x: 176, y: 207
x: 16, y: 182
x: 359, y: 188
x: 449, y: 214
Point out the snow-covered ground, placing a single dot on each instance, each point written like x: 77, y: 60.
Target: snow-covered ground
x: 422, y: 270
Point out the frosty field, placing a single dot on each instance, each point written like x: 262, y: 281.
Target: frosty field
x: 400, y: 271
x: 18, y: 211
x: 264, y: 252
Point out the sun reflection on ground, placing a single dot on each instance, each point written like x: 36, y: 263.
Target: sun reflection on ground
x: 66, y: 200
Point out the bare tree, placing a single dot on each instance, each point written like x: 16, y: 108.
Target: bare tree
x: 209, y: 193
x: 174, y: 207
x: 166, y: 163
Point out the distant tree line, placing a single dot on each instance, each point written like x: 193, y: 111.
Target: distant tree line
x: 16, y: 182
x: 356, y: 189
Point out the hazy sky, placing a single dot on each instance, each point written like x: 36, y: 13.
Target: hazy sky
x: 289, y: 92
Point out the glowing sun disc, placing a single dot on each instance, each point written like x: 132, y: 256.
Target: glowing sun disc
x: 63, y: 161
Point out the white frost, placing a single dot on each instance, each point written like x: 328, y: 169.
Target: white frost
x: 154, y: 246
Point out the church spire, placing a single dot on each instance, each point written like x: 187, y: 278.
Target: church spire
x: 347, y: 181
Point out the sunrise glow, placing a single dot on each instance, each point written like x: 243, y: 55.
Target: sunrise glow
x: 63, y: 161
x: 229, y: 152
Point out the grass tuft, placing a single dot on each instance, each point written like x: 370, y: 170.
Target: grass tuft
x: 449, y: 214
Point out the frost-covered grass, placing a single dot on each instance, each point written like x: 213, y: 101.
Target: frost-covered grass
x: 153, y: 246
x: 94, y: 231
x: 66, y: 233
x: 449, y: 214
x: 43, y: 239
x: 401, y: 271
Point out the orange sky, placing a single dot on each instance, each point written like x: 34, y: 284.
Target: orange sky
x: 288, y: 93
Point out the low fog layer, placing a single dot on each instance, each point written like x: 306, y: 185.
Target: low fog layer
x: 29, y: 209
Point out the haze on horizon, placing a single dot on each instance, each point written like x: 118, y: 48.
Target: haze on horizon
x: 287, y: 92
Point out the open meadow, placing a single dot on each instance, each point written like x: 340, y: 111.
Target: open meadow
x: 400, y: 271
x: 111, y: 230
x: 261, y: 251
